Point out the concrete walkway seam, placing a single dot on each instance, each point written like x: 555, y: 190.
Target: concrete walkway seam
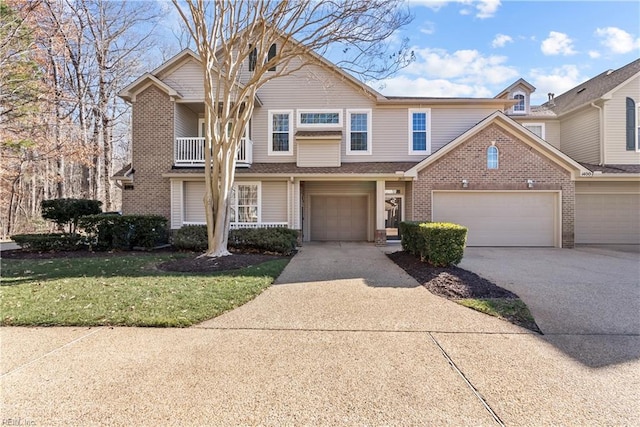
x: 381, y: 331
x: 55, y: 350
x: 466, y: 380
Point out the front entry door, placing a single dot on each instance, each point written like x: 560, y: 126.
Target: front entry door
x: 393, y: 216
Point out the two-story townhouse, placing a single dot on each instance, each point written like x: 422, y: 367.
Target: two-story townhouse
x: 330, y: 156
x: 597, y: 123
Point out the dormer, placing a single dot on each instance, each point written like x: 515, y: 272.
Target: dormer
x: 520, y: 92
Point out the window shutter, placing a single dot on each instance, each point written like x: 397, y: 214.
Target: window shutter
x: 631, y: 124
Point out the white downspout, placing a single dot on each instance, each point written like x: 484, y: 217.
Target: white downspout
x: 602, y: 133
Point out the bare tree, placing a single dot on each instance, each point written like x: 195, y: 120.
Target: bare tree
x: 228, y: 34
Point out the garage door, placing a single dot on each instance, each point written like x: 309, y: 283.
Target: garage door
x: 338, y: 218
x: 608, y: 218
x: 500, y: 219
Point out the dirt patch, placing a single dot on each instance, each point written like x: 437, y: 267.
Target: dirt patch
x: 234, y: 261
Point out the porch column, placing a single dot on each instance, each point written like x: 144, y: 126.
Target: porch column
x: 381, y: 232
x: 294, y: 207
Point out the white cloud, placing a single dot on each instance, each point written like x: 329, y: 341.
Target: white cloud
x: 487, y: 8
x: 617, y: 40
x: 501, y: 40
x: 557, y: 44
x: 483, y: 8
x: 594, y: 54
x: 468, y: 66
x: 437, y: 72
x: 558, y: 80
x: 405, y: 86
x: 428, y: 28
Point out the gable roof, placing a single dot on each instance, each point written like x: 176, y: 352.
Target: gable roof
x: 131, y: 90
x: 593, y: 89
x: 511, y: 126
x: 515, y: 84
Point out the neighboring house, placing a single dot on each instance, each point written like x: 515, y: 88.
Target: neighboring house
x: 328, y: 155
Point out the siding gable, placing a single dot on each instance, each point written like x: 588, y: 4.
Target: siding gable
x: 187, y: 79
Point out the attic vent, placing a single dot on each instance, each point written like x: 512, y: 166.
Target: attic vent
x: 609, y: 72
x: 581, y: 90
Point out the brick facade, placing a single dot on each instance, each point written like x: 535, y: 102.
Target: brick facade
x: 517, y: 163
x: 152, y: 134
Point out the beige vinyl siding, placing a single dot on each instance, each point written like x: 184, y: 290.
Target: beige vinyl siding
x: 449, y: 123
x: 176, y: 204
x: 274, y: 201
x: 187, y: 80
x: 580, y: 135
x: 318, y: 153
x: 193, y: 202
x: 551, y: 129
x: 186, y: 122
x: 328, y: 188
x: 615, y: 119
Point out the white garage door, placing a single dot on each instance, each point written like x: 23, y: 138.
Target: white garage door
x: 608, y: 218
x: 500, y: 218
x: 338, y: 218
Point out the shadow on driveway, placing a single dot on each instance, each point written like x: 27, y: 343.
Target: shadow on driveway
x: 586, y: 301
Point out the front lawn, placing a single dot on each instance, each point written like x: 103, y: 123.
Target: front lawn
x: 122, y: 289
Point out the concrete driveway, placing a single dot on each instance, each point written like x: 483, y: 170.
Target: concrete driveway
x: 343, y: 338
x: 584, y: 299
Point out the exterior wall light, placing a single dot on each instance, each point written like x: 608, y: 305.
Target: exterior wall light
x: 465, y: 183
x: 530, y: 183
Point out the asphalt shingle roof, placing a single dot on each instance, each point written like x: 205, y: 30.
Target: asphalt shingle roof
x: 593, y: 89
x: 291, y: 168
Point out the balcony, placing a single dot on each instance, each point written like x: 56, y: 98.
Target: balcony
x: 190, y: 152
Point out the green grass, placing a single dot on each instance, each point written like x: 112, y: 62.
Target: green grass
x: 123, y: 290
x: 512, y: 310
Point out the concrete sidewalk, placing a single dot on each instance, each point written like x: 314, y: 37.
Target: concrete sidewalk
x: 343, y: 338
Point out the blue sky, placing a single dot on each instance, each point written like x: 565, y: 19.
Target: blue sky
x: 477, y: 48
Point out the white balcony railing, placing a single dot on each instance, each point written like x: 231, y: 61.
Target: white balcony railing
x: 190, y: 152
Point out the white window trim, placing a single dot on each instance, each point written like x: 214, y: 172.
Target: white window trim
x: 259, y: 191
x: 301, y: 125
x: 410, y: 119
x: 525, y: 100
x: 543, y: 133
x: 270, y: 151
x: 497, y: 158
x: 369, y: 150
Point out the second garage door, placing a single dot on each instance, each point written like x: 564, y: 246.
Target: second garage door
x: 339, y: 218
x: 501, y: 218
x: 608, y: 218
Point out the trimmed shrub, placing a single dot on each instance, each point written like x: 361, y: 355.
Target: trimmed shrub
x: 278, y: 240
x: 443, y: 243
x: 106, y: 232
x: 191, y: 238
x: 66, y: 212
x: 49, y: 242
x: 410, y: 238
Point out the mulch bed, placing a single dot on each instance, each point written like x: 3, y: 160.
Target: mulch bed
x: 449, y: 282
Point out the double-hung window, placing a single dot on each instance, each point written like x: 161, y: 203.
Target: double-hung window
x: 244, y: 203
x: 420, y: 131
x: 536, y: 128
x: 520, y: 107
x: 280, y: 132
x: 359, y: 132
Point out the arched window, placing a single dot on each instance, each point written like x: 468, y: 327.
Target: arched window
x: 633, y: 128
x: 519, y: 107
x: 271, y: 55
x: 492, y: 157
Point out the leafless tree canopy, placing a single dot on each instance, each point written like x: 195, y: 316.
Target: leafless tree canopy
x: 228, y: 35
